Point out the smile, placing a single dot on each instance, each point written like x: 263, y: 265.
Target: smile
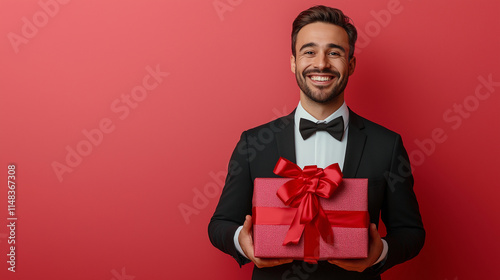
x: 321, y: 78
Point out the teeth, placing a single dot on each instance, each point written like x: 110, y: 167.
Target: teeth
x: 321, y: 78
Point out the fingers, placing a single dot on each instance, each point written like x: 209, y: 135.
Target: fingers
x: 247, y: 225
x: 376, y: 245
x: 374, y: 235
x: 245, y: 238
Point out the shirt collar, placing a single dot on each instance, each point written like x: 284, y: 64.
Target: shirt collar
x: 300, y: 112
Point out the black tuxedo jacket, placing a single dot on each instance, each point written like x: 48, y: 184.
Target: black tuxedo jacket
x: 372, y: 152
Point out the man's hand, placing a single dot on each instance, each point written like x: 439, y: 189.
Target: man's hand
x: 374, y: 251
x: 246, y: 243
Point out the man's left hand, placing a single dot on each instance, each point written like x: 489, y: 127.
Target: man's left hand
x: 374, y: 251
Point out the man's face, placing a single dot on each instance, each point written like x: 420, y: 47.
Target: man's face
x: 321, y: 65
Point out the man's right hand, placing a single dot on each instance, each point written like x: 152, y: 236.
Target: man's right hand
x: 246, y: 243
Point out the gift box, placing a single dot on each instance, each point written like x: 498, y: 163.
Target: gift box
x: 312, y: 215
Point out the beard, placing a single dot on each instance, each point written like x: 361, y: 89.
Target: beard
x: 321, y: 94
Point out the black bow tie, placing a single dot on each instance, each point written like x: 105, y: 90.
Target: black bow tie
x: 334, y: 127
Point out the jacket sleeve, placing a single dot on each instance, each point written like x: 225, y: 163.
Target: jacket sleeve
x: 400, y: 212
x: 235, y: 202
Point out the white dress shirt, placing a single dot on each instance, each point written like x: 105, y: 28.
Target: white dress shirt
x: 320, y: 149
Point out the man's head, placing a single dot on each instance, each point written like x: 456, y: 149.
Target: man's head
x: 323, y: 53
x: 327, y: 15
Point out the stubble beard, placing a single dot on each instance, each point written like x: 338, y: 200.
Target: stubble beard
x: 317, y: 96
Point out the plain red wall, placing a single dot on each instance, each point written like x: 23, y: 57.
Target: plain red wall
x: 64, y: 67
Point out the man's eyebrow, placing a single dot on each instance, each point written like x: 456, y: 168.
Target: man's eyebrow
x: 335, y: 46
x: 331, y: 46
x: 308, y: 45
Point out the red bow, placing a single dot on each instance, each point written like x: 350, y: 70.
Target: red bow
x: 302, y: 193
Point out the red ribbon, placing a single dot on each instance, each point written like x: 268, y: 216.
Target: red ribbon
x: 302, y: 193
x: 284, y: 216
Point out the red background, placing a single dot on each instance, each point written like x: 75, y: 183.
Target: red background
x: 228, y: 71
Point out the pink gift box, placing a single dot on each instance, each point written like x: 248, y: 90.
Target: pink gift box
x: 350, y: 236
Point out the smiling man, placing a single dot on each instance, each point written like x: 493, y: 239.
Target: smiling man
x: 321, y: 131
x: 322, y: 66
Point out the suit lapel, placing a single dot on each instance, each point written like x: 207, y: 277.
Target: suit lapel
x: 285, y: 138
x: 355, y: 145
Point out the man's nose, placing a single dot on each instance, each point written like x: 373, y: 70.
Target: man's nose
x: 321, y: 61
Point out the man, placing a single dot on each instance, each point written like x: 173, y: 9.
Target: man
x: 322, y: 60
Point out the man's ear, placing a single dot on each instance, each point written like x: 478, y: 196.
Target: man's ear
x: 352, y: 65
x: 292, y: 63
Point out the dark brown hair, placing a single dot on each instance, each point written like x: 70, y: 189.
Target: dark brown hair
x: 328, y: 15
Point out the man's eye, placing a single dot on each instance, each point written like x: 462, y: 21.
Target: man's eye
x: 334, y: 53
x: 309, y: 52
